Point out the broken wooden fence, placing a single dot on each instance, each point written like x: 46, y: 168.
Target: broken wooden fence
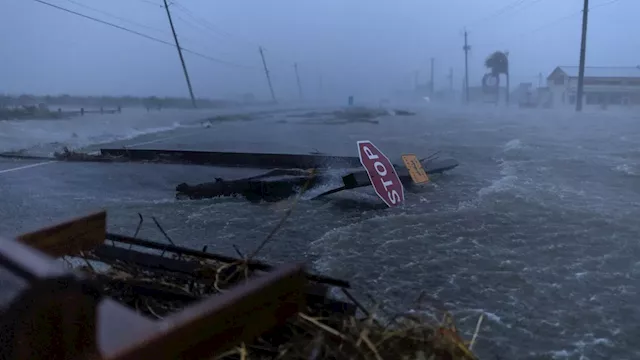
x: 42, y: 322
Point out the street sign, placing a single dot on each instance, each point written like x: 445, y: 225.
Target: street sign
x: 382, y: 174
x: 418, y: 175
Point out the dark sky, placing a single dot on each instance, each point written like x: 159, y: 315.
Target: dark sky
x: 367, y: 47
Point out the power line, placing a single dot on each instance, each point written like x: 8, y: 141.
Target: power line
x: 211, y: 27
x: 151, y: 3
x: 512, y: 8
x: 566, y: 17
x: 604, y: 4
x: 116, y: 17
x: 528, y: 5
x: 210, y: 58
x: 500, y: 11
x: 199, y: 30
x: 552, y: 23
x: 189, y: 40
x: 207, y: 25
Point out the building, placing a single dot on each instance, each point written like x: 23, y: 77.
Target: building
x: 603, y: 86
x: 479, y: 94
x: 528, y: 96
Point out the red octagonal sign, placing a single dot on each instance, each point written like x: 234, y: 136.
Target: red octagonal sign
x: 382, y: 174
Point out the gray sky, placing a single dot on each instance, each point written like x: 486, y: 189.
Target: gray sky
x: 364, y: 47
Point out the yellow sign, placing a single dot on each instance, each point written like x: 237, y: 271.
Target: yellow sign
x: 416, y: 171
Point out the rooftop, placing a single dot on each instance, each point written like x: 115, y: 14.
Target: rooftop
x: 602, y: 71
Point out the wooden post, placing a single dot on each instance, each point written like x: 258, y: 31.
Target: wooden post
x: 583, y: 50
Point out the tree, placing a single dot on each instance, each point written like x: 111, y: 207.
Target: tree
x: 498, y: 63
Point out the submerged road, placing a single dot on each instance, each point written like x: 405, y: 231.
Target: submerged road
x: 537, y: 229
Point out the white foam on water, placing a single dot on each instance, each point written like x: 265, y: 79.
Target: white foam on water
x: 90, y: 129
x: 513, y: 145
x: 82, y: 131
x: 503, y: 184
x: 627, y: 169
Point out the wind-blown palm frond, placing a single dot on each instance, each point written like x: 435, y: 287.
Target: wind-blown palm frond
x: 498, y: 63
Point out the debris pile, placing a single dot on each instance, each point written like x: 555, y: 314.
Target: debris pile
x: 351, y: 115
x: 29, y: 112
x: 157, y: 285
x: 166, y: 283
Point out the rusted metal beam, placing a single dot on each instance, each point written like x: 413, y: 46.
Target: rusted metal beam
x: 69, y: 237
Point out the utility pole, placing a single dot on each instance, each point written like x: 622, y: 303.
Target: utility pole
x: 184, y: 66
x: 540, y: 80
x: 431, y: 84
x: 466, y: 49
x: 295, y: 66
x: 583, y: 50
x: 450, y: 78
x: 508, y: 78
x: 266, y: 71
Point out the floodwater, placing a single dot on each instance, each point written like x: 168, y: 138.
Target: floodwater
x: 536, y: 229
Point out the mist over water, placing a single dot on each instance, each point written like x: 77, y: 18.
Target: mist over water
x: 535, y: 229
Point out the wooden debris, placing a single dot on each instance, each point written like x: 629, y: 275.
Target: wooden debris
x: 70, y: 237
x: 166, y: 302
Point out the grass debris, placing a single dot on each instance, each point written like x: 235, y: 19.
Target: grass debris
x: 313, y: 334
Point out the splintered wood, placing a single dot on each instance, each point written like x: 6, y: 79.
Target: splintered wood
x: 43, y: 327
x: 162, y: 301
x: 70, y: 237
x: 218, y: 323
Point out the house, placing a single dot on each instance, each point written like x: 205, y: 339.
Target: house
x: 603, y: 86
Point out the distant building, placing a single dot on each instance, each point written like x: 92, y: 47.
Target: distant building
x: 603, y: 86
x: 479, y: 94
x: 528, y: 96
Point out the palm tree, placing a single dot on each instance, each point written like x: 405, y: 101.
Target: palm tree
x: 498, y: 63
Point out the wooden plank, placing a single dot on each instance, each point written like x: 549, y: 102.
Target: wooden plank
x: 118, y: 324
x: 235, y: 159
x: 221, y: 322
x: 112, y: 255
x: 25, y: 262
x: 51, y: 319
x: 253, y: 264
x: 70, y: 237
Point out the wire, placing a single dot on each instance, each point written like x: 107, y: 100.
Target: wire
x: 515, y: 6
x: 211, y: 27
x: 199, y: 29
x: 500, y: 11
x: 552, y: 23
x: 559, y: 20
x: 213, y: 59
x: 529, y: 5
x: 151, y: 3
x: 117, y: 17
x: 604, y: 4
x: 207, y: 25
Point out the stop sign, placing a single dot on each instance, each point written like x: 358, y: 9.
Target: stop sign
x: 382, y: 174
